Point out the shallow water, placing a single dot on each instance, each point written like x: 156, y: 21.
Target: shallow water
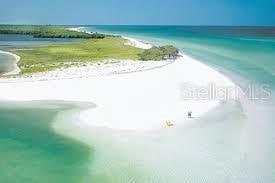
x: 6, y: 63
x: 32, y: 152
x: 233, y: 143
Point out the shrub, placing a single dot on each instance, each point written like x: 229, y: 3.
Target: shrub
x: 159, y: 53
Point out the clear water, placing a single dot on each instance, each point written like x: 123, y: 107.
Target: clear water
x: 233, y: 143
x: 243, y: 51
x: 31, y: 151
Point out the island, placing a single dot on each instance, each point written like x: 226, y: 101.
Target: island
x: 95, y: 48
x: 113, y: 88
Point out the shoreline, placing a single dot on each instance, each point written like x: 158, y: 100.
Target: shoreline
x: 16, y: 69
x: 131, y: 41
x: 137, y: 101
x: 109, y: 68
x: 137, y: 43
x: 141, y: 100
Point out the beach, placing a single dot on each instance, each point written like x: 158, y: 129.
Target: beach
x: 106, y: 121
x: 137, y: 43
x: 131, y: 41
x: 142, y: 100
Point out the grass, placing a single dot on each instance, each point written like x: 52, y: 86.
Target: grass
x: 45, y: 58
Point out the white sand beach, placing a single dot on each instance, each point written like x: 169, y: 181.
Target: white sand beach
x: 137, y: 43
x: 132, y: 101
x: 131, y: 41
x: 16, y: 69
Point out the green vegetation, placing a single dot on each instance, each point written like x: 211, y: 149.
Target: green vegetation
x: 47, y: 31
x: 45, y: 58
x: 159, y: 53
x: 97, y: 48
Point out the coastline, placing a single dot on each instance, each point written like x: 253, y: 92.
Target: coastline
x: 16, y: 69
x: 131, y: 41
x: 118, y: 109
x: 137, y: 43
x: 133, y: 101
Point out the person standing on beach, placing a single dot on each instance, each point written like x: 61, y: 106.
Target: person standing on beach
x: 189, y: 114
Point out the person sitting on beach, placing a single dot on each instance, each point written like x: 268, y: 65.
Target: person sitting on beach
x: 189, y: 114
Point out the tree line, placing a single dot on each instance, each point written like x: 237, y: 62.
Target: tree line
x: 48, y: 31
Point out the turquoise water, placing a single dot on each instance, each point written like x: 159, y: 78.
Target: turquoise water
x: 233, y: 143
x: 31, y: 151
x: 248, y: 52
x: 236, y: 142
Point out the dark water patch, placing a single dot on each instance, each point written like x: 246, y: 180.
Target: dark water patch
x: 14, y: 41
x: 6, y: 63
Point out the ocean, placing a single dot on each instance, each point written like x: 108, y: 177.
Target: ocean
x: 233, y: 143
